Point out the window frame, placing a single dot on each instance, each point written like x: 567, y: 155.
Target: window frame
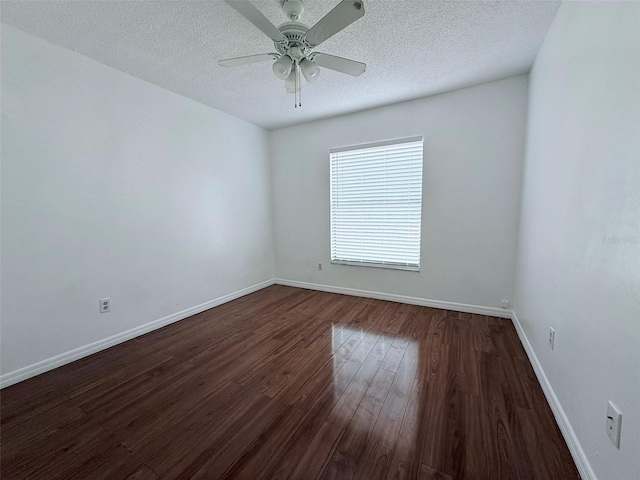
x: 365, y: 146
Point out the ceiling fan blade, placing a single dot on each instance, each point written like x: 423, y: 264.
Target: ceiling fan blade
x: 339, y: 64
x: 232, y: 62
x: 342, y: 15
x: 255, y: 16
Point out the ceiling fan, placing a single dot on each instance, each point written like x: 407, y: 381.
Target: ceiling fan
x: 295, y: 42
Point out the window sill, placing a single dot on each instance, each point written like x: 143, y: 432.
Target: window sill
x: 387, y: 266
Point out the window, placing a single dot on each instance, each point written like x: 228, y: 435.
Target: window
x: 376, y: 204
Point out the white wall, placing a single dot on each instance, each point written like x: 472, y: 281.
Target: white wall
x: 579, y: 249
x: 473, y: 153
x: 113, y: 187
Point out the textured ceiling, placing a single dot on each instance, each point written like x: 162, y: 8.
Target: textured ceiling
x: 412, y: 48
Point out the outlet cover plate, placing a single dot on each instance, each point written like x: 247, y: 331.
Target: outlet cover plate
x: 614, y: 420
x: 105, y: 305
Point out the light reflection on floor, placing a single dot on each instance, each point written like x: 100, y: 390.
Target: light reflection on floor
x: 374, y: 373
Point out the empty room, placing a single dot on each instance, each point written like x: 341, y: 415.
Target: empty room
x: 320, y: 239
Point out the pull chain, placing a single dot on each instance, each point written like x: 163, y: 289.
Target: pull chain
x: 295, y: 86
x: 297, y: 89
x: 300, y: 92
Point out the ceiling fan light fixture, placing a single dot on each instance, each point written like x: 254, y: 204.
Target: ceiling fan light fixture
x: 282, y: 67
x: 309, y: 69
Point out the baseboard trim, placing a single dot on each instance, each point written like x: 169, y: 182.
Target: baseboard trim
x: 29, y: 371
x: 458, y: 307
x: 579, y: 457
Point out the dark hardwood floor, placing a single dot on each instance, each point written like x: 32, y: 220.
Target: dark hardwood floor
x: 291, y: 383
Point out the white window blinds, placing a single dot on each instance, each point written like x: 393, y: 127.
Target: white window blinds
x: 376, y: 204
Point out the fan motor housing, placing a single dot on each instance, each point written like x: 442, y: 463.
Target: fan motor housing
x: 295, y: 33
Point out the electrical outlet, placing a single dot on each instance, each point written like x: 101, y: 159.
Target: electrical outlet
x: 105, y: 305
x: 505, y: 303
x: 319, y: 266
x: 614, y: 419
x: 552, y: 337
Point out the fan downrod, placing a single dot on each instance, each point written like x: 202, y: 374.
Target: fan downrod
x: 293, y: 9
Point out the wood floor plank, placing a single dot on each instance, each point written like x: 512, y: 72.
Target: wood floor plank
x: 405, y: 463
x: 375, y: 462
x: 557, y: 462
x: 246, y: 436
x: 103, y: 401
x: 301, y: 447
x: 52, y: 456
x: 389, y: 421
x: 97, y: 464
x: 503, y: 456
x: 186, y: 437
x: 292, y: 383
x: 185, y: 459
x: 315, y: 458
x: 433, y: 426
x: 268, y: 447
x: 394, y: 355
x: 357, y: 433
x: 434, y: 352
x: 143, y: 473
x: 429, y: 473
x: 349, y: 401
x: 38, y: 428
x: 477, y: 429
x: 467, y: 375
